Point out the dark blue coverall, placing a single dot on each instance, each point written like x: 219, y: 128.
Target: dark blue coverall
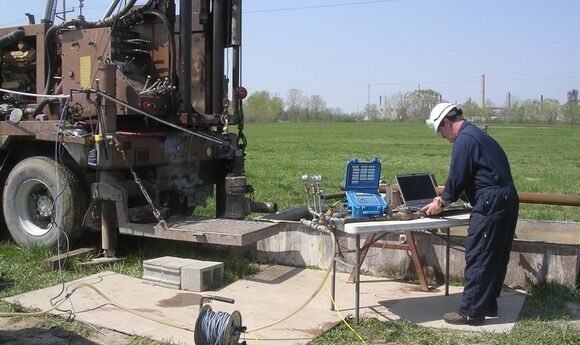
x: 480, y: 172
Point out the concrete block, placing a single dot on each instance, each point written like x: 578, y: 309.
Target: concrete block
x: 164, y: 271
x: 200, y: 275
x: 180, y: 273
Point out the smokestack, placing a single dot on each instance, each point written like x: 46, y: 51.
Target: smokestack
x: 483, y: 90
x: 508, y: 101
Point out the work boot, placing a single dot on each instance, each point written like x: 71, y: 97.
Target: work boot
x: 491, y: 312
x: 458, y: 319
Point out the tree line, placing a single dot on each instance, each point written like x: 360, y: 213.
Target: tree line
x: 411, y: 106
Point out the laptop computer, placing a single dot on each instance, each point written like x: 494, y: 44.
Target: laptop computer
x: 418, y: 190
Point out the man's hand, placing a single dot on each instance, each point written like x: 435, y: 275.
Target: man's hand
x: 435, y: 207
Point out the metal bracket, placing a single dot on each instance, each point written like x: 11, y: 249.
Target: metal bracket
x: 106, y: 191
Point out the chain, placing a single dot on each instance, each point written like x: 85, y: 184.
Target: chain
x: 156, y: 211
x: 224, y: 117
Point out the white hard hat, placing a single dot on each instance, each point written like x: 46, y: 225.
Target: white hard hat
x: 440, y: 111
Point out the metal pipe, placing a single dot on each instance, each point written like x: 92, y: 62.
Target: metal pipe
x: 49, y: 12
x: 111, y: 9
x: 357, y: 279
x: 315, y: 225
x: 264, y: 207
x: 185, y: 17
x: 540, y: 198
x: 218, y: 46
x: 111, y: 19
x: 549, y: 199
x: 108, y: 83
x: 236, y: 42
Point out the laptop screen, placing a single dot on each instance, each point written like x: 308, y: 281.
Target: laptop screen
x: 416, y: 188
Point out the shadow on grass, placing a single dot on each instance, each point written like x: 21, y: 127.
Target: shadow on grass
x: 550, y: 301
x: 5, y: 284
x: 35, y: 335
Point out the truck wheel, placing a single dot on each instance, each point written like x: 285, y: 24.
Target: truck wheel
x: 40, y: 197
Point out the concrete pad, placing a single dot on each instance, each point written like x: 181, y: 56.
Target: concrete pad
x: 261, y: 299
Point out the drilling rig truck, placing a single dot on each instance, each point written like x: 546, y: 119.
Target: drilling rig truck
x: 124, y: 125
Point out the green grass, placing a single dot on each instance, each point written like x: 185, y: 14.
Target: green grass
x: 544, y: 320
x: 543, y: 158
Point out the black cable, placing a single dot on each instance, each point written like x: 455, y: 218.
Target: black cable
x: 59, y: 150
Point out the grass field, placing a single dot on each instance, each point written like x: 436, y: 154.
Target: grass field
x: 543, y: 158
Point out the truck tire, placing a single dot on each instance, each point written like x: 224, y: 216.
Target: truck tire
x: 32, y: 216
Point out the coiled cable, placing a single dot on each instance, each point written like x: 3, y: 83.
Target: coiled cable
x: 210, y: 328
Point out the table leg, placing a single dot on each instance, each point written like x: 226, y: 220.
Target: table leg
x: 357, y: 280
x: 363, y: 254
x: 333, y: 288
x: 447, y: 242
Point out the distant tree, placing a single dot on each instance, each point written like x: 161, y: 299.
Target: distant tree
x: 550, y: 110
x: 317, y: 108
x: 516, y: 113
x: 531, y: 110
x: 395, y: 108
x: 294, y: 105
x: 371, y: 112
x: 411, y: 106
x: 470, y: 110
x: 571, y: 110
x: 263, y: 107
x: 420, y: 102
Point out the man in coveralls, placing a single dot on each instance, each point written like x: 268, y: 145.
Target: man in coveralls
x: 480, y: 174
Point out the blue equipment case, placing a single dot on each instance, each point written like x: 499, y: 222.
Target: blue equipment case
x: 361, y: 184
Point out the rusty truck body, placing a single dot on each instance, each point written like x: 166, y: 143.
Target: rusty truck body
x: 125, y: 125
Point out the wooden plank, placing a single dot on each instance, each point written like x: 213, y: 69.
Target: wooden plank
x: 416, y: 261
x: 51, y: 263
x: 100, y: 262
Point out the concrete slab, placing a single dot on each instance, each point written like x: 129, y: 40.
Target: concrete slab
x: 261, y: 299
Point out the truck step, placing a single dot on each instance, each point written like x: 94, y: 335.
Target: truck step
x: 227, y: 232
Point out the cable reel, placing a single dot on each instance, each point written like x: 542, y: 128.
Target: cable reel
x: 218, y: 328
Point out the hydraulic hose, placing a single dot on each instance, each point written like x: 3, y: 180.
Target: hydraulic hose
x: 172, y: 62
x: 11, y: 37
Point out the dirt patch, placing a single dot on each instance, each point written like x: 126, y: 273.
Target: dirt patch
x: 26, y: 331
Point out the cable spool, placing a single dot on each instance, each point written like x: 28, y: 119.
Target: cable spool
x: 218, y: 328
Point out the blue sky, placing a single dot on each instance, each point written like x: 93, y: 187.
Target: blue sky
x: 337, y: 48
